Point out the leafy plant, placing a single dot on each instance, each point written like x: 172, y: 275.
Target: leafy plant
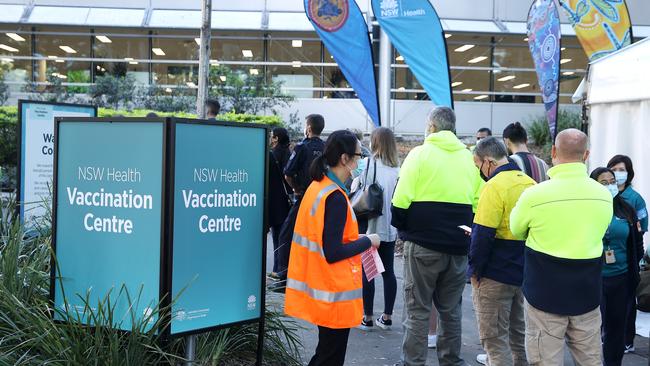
x: 539, y: 133
x: 113, y: 91
x: 165, y: 99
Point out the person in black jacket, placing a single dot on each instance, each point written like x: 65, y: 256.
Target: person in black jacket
x: 623, y: 249
x: 279, y: 197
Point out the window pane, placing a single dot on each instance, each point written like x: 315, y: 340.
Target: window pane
x: 246, y: 46
x: 470, y: 82
x: 111, y: 44
x: 174, y: 74
x: 297, y: 77
x: 288, y: 47
x: 55, y: 46
x: 179, y: 45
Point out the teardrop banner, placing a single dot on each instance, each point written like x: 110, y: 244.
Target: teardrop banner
x: 414, y: 28
x: 544, y: 40
x: 343, y: 30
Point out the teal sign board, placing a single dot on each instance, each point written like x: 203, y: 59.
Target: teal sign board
x: 36, y: 153
x: 217, y: 251
x: 108, y: 214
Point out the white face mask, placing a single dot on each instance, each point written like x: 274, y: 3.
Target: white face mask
x: 613, y: 189
x: 621, y: 177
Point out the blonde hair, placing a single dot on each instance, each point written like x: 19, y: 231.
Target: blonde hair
x: 384, y: 147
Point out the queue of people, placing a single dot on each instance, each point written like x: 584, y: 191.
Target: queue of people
x: 552, y: 254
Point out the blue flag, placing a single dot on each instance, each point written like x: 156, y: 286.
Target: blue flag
x: 414, y: 28
x: 341, y: 26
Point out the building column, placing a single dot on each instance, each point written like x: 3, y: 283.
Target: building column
x: 385, y: 59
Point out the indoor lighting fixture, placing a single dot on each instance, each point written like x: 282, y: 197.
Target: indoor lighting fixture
x: 128, y: 59
x: 191, y: 84
x: 568, y: 73
x: 399, y: 58
x: 133, y: 62
x: 467, y: 90
x: 464, y: 48
x: 401, y: 88
x: 296, y: 43
x: 447, y: 35
x: 168, y: 90
x: 52, y: 56
x: 564, y: 61
x: 481, y: 97
x: 563, y: 48
x: 456, y: 83
x: 5, y: 59
x: 15, y: 37
x: 68, y: 49
x: 296, y: 63
x: 158, y: 51
x: 506, y: 78
x: 526, y: 39
x: 477, y: 59
x: 222, y: 77
x: 8, y: 48
x: 247, y: 53
x: 214, y: 62
x: 59, y: 60
x: 103, y: 39
x: 254, y: 71
x: 521, y: 86
x: 324, y: 96
x: 198, y: 41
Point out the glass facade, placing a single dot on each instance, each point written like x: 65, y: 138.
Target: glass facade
x: 484, y: 67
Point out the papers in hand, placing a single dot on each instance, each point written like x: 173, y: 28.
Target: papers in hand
x: 372, y: 264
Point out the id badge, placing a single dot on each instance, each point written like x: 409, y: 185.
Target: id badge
x: 610, y: 258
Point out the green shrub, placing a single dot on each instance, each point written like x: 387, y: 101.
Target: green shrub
x: 539, y: 133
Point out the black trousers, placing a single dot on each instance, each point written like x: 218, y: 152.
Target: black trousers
x: 275, y: 235
x: 332, y: 345
x: 613, y: 309
x: 286, y: 235
x: 630, y: 322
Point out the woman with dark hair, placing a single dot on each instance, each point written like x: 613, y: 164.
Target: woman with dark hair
x: 623, y: 249
x: 324, y: 277
x: 279, y: 198
x: 623, y: 170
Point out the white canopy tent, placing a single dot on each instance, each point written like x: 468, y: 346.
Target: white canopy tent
x: 618, y: 96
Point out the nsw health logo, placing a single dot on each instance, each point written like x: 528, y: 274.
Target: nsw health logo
x: 389, y: 8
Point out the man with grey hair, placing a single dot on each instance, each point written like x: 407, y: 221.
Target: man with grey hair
x: 436, y: 193
x: 496, y: 258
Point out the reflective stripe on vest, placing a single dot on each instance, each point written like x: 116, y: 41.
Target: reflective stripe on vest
x: 306, y: 243
x: 320, y: 195
x: 321, y: 295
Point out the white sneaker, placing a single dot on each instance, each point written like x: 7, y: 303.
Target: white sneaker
x: 482, y: 359
x: 432, y: 341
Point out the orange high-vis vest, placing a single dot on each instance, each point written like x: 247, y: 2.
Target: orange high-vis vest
x: 324, y: 294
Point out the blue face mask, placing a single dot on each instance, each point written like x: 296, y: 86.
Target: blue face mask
x: 613, y: 189
x: 621, y: 177
x: 361, y: 166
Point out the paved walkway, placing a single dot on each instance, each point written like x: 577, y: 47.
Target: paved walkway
x: 383, y: 348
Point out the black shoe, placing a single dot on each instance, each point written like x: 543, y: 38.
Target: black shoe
x: 384, y: 323
x: 279, y: 286
x: 365, y: 325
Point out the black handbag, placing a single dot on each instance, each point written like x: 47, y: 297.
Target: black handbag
x: 289, y: 196
x: 368, y: 200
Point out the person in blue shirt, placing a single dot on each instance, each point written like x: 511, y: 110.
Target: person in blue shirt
x: 623, y: 170
x: 623, y: 249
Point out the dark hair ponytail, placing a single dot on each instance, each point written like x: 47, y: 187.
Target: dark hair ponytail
x: 338, y: 143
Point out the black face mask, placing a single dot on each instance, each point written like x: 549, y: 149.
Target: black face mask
x: 480, y: 170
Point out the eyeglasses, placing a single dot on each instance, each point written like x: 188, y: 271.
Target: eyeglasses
x: 361, y: 155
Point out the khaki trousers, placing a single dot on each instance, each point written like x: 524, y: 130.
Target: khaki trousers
x: 500, y: 315
x: 546, y: 334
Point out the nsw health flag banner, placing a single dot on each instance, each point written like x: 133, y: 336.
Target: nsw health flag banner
x: 602, y: 26
x: 341, y: 26
x: 544, y: 43
x: 414, y: 28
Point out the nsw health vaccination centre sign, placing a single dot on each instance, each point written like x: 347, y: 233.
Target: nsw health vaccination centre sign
x: 170, y: 210
x: 36, y: 152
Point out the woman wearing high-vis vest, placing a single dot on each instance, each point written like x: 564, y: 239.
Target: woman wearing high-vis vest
x: 324, y: 277
x: 623, y: 249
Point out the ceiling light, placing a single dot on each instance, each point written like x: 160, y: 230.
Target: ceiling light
x: 59, y: 61
x: 506, y: 78
x: 191, y: 84
x: 99, y: 67
x: 198, y: 41
x: 158, y: 51
x: 60, y: 76
x: 214, y: 62
x: 568, y: 73
x: 247, y: 53
x: 481, y: 97
x: 399, y: 58
x: 103, y: 39
x: 521, y: 86
x: 168, y: 90
x: 563, y: 48
x: 296, y: 63
x: 6, y: 59
x: 15, y: 37
x: 222, y: 77
x: 8, y: 48
x: 103, y: 69
x: 456, y: 83
x: 526, y: 39
x: 52, y: 57
x: 464, y: 48
x: 477, y: 59
x: 254, y: 71
x: 133, y: 62
x: 467, y: 90
x: 296, y: 43
x: 68, y: 49
x: 401, y: 88
x: 447, y: 35
x: 128, y: 59
x: 564, y: 61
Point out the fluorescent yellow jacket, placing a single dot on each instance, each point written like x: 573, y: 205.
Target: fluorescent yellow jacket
x: 438, y: 189
x: 563, y: 220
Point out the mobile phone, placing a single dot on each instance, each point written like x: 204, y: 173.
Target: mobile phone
x: 465, y: 228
